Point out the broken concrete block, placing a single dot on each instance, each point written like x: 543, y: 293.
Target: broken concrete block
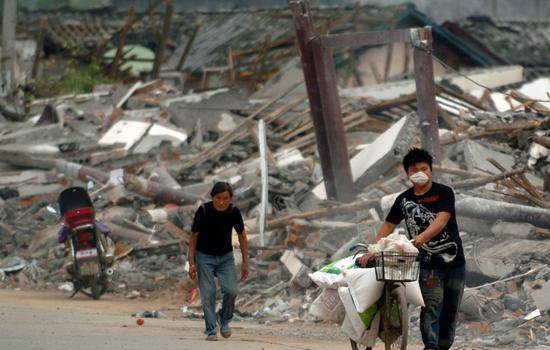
x: 542, y: 297
x: 514, y: 230
x: 382, y: 155
x: 298, y: 270
x: 481, y: 270
x: 474, y: 226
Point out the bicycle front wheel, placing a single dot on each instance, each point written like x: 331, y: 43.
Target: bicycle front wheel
x: 395, y: 320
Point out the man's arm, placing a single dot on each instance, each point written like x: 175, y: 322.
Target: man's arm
x: 441, y: 220
x: 386, y: 228
x: 191, y: 254
x: 243, y: 243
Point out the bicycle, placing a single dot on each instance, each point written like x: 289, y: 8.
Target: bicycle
x: 393, y: 269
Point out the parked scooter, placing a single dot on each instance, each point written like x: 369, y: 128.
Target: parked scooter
x: 91, y: 252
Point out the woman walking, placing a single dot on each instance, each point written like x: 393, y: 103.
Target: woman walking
x: 211, y: 256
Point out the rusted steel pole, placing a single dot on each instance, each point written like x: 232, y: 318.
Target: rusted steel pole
x: 79, y: 171
x: 122, y: 41
x: 159, y: 55
x: 425, y: 91
x: 335, y: 133
x: 161, y: 175
x: 157, y: 191
x: 330, y: 137
x: 188, y: 46
x: 121, y: 233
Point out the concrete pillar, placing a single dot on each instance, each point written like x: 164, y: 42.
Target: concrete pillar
x: 8, y: 61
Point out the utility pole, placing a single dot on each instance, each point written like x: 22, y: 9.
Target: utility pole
x: 425, y: 91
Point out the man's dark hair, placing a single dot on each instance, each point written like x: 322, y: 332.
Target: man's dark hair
x: 220, y: 187
x: 417, y: 155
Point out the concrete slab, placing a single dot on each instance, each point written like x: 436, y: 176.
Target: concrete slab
x: 289, y: 74
x: 291, y: 262
x: 298, y: 270
x: 213, y: 108
x: 476, y: 155
x: 127, y: 132
x: 508, y: 249
x: 158, y: 134
x: 381, y: 155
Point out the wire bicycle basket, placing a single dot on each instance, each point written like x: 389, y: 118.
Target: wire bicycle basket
x: 395, y: 266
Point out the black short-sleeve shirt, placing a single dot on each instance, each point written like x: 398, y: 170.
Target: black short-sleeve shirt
x: 445, y: 249
x: 215, y: 227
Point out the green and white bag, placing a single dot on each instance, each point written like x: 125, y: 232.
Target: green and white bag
x: 330, y: 276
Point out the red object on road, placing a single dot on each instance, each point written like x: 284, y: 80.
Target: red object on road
x: 139, y: 321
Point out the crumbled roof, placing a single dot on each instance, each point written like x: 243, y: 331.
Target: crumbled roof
x: 517, y: 42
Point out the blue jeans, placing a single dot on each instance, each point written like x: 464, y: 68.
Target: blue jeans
x: 222, y: 267
x: 442, y: 291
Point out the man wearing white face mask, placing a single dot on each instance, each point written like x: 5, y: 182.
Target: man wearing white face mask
x: 428, y: 209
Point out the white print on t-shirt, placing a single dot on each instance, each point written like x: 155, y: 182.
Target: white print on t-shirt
x: 417, y: 219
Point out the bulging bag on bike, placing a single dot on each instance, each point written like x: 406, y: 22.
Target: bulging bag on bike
x: 365, y: 290
x: 359, y: 321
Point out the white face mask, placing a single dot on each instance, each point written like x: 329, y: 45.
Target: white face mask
x: 419, y: 178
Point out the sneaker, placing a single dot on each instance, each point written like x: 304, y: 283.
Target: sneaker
x: 225, y: 331
x: 212, y: 337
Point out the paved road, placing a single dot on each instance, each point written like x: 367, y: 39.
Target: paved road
x: 50, y: 321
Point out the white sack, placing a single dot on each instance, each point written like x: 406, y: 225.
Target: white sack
x: 365, y: 290
x: 394, y: 242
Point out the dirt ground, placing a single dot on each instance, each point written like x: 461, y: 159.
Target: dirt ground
x: 32, y: 320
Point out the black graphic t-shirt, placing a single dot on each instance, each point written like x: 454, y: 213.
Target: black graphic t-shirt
x: 443, y: 250
x: 215, y: 227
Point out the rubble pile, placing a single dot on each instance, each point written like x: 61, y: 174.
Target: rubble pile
x: 149, y: 152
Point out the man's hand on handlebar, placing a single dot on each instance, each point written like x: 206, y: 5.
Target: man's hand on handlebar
x: 363, y: 261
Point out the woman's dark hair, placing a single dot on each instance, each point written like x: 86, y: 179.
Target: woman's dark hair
x: 417, y: 155
x: 220, y: 187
